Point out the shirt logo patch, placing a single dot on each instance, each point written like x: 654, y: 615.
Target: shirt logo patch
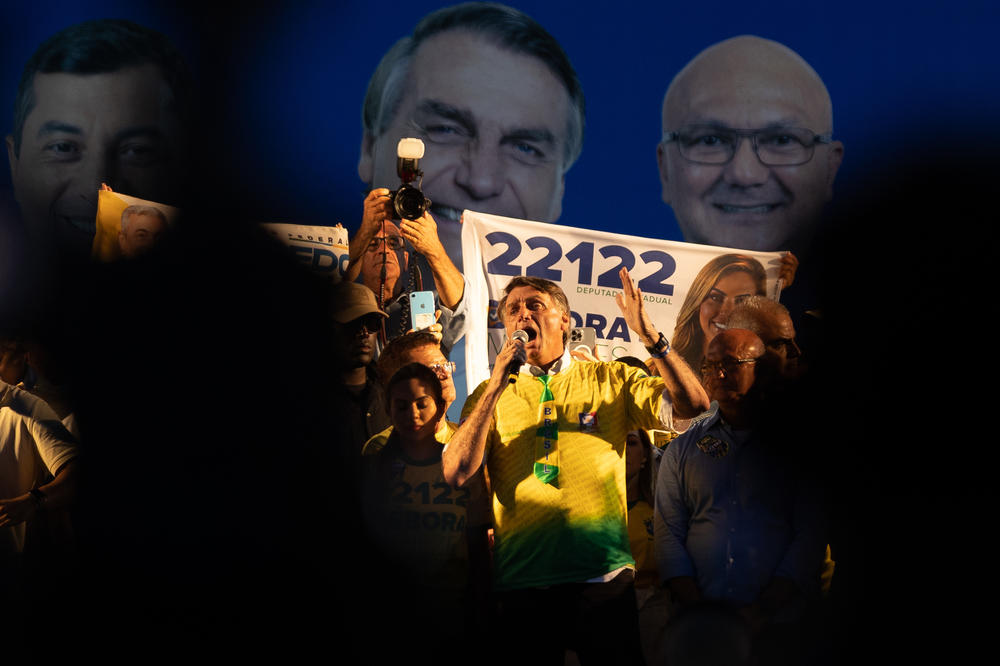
x: 713, y: 446
x: 588, y: 422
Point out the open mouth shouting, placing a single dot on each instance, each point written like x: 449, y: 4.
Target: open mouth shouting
x: 530, y: 330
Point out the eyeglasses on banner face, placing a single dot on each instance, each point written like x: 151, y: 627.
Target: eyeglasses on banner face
x: 774, y: 146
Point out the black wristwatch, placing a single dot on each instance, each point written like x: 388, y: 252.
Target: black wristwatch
x: 660, y: 348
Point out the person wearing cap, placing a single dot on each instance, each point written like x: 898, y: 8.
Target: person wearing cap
x: 356, y: 319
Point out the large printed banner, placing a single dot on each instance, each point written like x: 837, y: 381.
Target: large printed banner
x: 322, y: 249
x: 585, y: 264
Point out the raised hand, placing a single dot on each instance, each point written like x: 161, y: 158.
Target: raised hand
x: 789, y: 264
x: 630, y: 303
x: 422, y: 234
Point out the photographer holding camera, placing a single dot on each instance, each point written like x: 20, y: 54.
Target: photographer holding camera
x: 379, y: 254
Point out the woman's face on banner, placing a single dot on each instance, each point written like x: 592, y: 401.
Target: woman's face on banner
x: 727, y: 292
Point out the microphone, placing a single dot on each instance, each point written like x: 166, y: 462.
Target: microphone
x: 514, y: 367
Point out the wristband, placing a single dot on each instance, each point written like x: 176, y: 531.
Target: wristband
x: 660, y: 348
x: 38, y: 496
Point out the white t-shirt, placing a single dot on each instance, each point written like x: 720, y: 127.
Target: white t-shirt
x: 34, y: 444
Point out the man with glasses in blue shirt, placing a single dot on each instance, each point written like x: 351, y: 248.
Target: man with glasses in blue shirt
x: 739, y: 515
x: 747, y: 159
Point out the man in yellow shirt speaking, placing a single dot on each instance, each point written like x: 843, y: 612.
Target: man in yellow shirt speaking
x: 552, y: 434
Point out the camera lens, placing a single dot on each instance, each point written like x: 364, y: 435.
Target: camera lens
x: 409, y: 202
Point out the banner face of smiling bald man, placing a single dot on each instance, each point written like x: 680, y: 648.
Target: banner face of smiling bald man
x: 747, y: 158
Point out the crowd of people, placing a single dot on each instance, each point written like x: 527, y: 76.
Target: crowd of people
x: 241, y: 451
x: 548, y: 481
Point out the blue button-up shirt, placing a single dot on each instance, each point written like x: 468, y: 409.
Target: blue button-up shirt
x: 731, y: 513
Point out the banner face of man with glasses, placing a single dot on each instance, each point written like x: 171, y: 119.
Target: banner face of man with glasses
x: 747, y: 158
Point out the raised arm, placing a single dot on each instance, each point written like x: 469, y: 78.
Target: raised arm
x: 683, y: 387
x: 422, y: 234
x: 376, y: 210
x: 463, y: 456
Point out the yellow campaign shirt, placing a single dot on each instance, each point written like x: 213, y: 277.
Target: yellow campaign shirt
x: 478, y: 508
x: 640, y: 533
x: 573, y: 527
x: 446, y: 430
x: 417, y: 519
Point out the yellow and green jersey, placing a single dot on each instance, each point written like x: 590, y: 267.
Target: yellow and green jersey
x: 556, y: 462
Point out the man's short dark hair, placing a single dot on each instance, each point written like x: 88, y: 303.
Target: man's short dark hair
x: 417, y: 371
x: 508, y: 27
x: 102, y: 47
x: 635, y: 362
x: 391, y: 358
x: 541, y: 284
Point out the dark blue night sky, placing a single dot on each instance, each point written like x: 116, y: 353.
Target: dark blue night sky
x: 288, y: 83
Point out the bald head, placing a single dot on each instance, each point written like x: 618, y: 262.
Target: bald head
x: 729, y: 371
x: 735, y: 343
x: 756, y: 71
x: 747, y: 83
x: 770, y: 320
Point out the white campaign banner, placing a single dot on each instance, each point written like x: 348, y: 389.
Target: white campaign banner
x: 585, y: 264
x: 321, y: 249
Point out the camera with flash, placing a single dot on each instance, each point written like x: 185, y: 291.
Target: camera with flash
x: 408, y: 202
